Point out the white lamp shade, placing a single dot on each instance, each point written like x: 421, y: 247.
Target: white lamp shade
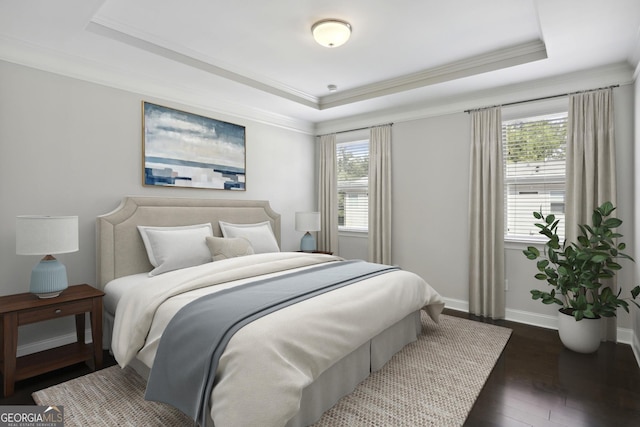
x: 331, y: 32
x: 307, y: 221
x: 46, y: 235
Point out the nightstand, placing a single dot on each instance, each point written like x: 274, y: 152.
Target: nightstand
x: 22, y: 309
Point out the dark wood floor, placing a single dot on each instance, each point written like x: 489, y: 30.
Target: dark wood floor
x: 24, y: 388
x: 536, y: 382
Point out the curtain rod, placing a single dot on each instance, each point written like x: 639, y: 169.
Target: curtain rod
x: 541, y: 98
x: 354, y: 130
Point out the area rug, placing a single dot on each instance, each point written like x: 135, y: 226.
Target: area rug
x: 431, y: 382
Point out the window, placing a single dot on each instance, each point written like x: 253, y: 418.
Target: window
x: 353, y: 185
x: 535, y: 165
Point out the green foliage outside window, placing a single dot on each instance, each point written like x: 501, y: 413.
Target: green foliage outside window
x: 535, y: 141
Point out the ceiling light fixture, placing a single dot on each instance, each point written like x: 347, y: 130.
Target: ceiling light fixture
x: 331, y: 32
x: 332, y: 88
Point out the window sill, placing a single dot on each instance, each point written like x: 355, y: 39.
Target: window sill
x: 522, y: 243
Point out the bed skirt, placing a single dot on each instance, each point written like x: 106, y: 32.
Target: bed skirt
x: 345, y: 375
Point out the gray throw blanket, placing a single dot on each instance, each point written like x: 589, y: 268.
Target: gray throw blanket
x: 183, y: 372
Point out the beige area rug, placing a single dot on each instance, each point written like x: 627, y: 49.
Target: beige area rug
x: 431, y: 382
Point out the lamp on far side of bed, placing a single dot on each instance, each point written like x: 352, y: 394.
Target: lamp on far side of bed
x: 47, y: 235
x: 308, y: 222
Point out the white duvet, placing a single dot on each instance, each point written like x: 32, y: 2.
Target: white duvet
x: 268, y: 363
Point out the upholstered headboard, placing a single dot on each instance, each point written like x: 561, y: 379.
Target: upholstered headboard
x: 120, y: 250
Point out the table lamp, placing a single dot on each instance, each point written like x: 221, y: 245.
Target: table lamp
x: 307, y: 222
x: 46, y: 235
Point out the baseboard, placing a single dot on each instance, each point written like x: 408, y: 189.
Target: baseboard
x: 455, y: 304
x: 625, y: 336
x: 36, y: 346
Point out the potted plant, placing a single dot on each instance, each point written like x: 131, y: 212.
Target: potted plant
x: 576, y: 272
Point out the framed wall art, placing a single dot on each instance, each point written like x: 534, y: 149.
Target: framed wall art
x: 182, y: 149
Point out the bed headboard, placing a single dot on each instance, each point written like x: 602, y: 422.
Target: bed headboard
x: 120, y: 250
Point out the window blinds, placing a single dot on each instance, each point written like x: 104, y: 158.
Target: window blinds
x: 353, y: 185
x: 535, y: 171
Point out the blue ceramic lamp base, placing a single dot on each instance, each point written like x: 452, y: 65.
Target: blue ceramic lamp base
x: 308, y: 243
x: 48, y: 278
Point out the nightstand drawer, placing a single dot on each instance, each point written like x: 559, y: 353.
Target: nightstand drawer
x: 51, y: 312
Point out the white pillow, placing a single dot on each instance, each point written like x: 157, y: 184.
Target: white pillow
x: 260, y: 235
x: 172, y: 248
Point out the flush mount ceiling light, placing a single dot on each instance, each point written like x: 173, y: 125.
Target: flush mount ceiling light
x: 331, y: 32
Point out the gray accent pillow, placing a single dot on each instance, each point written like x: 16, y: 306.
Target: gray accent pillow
x: 223, y: 248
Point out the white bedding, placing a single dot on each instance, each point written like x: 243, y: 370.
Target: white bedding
x: 115, y: 289
x: 269, y: 362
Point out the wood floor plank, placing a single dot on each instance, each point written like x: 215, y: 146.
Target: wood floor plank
x: 535, y: 383
x: 600, y: 389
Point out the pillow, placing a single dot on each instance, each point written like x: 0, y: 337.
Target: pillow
x: 260, y: 235
x: 172, y: 248
x: 223, y: 248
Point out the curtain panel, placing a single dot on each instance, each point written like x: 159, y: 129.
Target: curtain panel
x: 327, y: 193
x: 486, y: 215
x: 591, y: 166
x: 380, y: 194
x: 591, y: 157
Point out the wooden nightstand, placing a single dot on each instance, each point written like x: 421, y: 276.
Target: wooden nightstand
x: 318, y: 252
x: 22, y: 309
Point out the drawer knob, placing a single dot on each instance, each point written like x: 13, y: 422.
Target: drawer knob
x: 58, y: 311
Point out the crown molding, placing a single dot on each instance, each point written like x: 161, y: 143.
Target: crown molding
x: 619, y: 73
x: 19, y: 52
x: 491, y: 61
x: 495, y: 60
x: 29, y: 55
x: 146, y: 42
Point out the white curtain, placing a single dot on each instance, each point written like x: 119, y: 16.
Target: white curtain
x: 380, y: 194
x: 327, y: 194
x: 591, y: 165
x: 486, y: 215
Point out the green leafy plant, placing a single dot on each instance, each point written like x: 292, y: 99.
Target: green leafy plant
x: 576, y: 271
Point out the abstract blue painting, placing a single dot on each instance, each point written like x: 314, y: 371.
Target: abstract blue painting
x: 182, y: 149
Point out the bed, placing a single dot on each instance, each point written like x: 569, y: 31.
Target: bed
x: 285, y: 368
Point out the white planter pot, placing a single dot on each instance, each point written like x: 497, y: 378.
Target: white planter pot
x: 582, y: 336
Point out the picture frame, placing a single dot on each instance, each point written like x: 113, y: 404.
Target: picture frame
x: 182, y: 149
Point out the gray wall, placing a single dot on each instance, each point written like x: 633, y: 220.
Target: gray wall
x: 68, y: 147
x: 430, y: 167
